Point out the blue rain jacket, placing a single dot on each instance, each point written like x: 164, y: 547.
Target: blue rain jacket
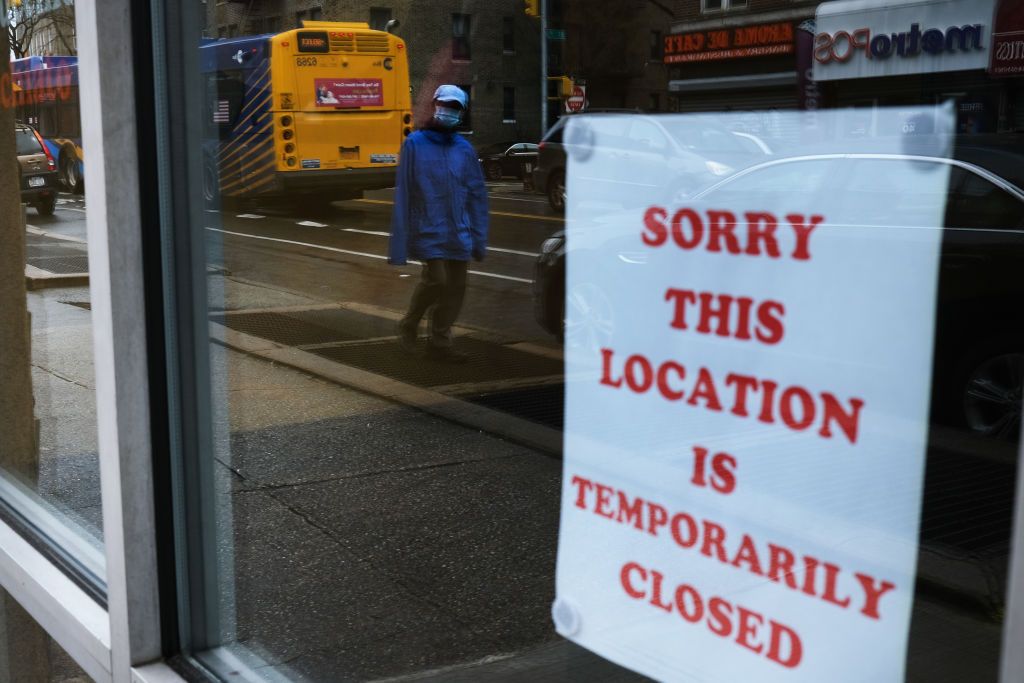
x: 440, y: 200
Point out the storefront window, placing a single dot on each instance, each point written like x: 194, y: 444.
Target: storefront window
x: 49, y: 483
x: 483, y: 367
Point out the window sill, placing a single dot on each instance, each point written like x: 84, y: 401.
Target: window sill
x: 61, y: 608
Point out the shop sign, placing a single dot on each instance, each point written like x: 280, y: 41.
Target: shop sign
x: 744, y: 41
x: 744, y: 441
x: 1008, y: 40
x: 854, y: 42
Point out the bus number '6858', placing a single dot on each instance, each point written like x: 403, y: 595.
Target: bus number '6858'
x: 305, y: 61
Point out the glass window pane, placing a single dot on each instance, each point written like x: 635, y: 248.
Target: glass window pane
x: 49, y: 469
x: 512, y: 370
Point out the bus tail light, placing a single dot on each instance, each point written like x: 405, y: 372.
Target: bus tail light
x: 407, y: 119
x: 287, y: 133
x: 289, y: 148
x: 286, y: 121
x: 406, y: 131
x: 290, y: 161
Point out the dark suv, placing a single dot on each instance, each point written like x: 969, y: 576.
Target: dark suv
x: 37, y: 169
x: 678, y: 155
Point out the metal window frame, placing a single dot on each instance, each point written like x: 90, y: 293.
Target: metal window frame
x: 108, y: 643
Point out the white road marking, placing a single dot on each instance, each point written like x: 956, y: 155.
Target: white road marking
x: 312, y: 224
x: 249, y: 215
x: 355, y: 253
x: 500, y: 250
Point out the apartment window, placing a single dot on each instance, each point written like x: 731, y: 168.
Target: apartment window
x: 312, y: 14
x: 460, y: 36
x: 722, y: 5
x: 656, y: 46
x: 467, y: 118
x: 508, y: 105
x: 379, y: 17
x: 508, y: 35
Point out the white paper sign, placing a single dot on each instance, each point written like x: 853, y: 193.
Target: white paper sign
x: 747, y: 382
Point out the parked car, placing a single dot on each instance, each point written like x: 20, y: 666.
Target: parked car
x: 672, y: 153
x: 39, y: 182
x: 978, y: 378
x: 503, y: 159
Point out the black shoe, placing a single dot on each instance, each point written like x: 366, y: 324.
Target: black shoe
x: 446, y: 354
x: 406, y: 338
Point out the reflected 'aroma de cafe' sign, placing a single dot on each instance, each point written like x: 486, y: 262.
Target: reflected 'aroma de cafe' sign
x: 729, y: 43
x: 744, y: 444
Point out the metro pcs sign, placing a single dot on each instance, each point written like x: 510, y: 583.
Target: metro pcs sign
x: 841, y: 46
x: 855, y: 39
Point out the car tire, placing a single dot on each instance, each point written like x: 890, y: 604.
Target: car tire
x: 990, y: 387
x: 211, y: 185
x: 556, y: 191
x: 493, y: 170
x: 46, y: 207
x: 70, y: 177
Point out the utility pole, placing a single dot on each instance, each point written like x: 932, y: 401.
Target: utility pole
x: 18, y: 452
x: 543, y: 67
x: 23, y: 643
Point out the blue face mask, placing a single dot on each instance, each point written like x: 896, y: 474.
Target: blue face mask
x: 447, y: 117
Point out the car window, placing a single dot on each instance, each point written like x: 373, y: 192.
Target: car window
x: 27, y: 142
x: 893, y: 192
x: 702, y: 138
x: 975, y: 202
x: 748, y: 144
x: 646, y: 135
x: 781, y: 178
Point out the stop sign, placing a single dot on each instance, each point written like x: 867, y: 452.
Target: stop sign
x: 577, y: 100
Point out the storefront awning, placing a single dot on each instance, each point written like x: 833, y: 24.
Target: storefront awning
x: 784, y: 78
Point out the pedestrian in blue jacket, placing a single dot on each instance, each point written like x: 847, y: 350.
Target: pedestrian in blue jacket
x: 440, y: 218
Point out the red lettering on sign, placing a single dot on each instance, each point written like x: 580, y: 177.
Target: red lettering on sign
x: 719, y: 231
x: 778, y: 642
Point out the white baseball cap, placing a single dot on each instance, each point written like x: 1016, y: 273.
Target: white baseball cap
x: 452, y: 93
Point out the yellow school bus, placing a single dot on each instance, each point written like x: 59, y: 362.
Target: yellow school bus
x: 315, y: 114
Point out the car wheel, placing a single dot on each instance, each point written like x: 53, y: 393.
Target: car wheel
x: 992, y: 395
x: 70, y: 177
x: 211, y: 185
x: 46, y: 207
x: 556, y: 192
x: 493, y: 170
x: 588, y: 317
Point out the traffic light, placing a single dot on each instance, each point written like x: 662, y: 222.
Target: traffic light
x: 559, y: 87
x: 532, y: 8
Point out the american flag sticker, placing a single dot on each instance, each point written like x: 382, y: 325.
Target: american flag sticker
x: 220, y: 115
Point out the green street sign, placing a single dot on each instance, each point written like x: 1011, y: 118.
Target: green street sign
x: 556, y: 34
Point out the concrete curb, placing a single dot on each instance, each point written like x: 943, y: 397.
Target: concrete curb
x: 461, y: 412
x: 36, y: 279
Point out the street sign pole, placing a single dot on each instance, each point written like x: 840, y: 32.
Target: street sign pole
x: 543, y: 67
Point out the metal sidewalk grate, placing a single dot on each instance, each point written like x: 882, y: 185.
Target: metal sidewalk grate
x: 488, y: 362
x: 60, y: 265
x: 61, y: 257
x: 543, y: 404
x: 303, y: 328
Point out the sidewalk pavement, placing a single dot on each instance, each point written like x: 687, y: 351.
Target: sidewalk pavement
x: 364, y: 539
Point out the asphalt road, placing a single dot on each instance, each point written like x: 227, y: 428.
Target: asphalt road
x: 339, y: 255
